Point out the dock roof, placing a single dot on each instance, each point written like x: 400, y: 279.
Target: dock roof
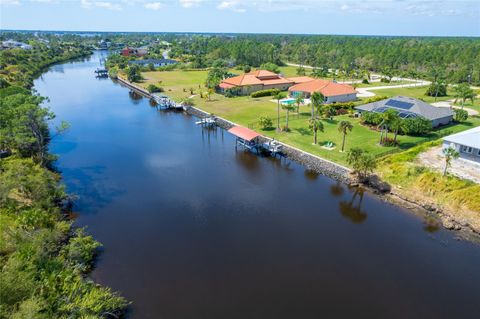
x: 243, y: 132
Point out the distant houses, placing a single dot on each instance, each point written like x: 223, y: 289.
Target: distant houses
x: 11, y: 44
x: 332, y: 91
x: 139, y: 52
x: 302, y: 85
x: 466, y: 143
x: 408, y: 107
x: 155, y: 62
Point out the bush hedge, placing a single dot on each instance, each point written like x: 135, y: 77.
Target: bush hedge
x: 269, y: 92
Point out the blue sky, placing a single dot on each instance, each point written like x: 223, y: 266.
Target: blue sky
x: 366, y: 17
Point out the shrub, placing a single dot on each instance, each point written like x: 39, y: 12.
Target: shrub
x: 416, y: 126
x: 342, y: 112
x: 235, y: 91
x: 389, y: 141
x: 371, y: 118
x: 265, y: 122
x: 187, y: 102
x: 437, y: 89
x: 343, y: 105
x: 384, y: 80
x: 365, y: 81
x: 269, y: 92
x: 272, y: 67
x: 152, y: 88
x: 460, y: 115
x: 375, y: 99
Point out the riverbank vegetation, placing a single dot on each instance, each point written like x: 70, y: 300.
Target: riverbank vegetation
x: 424, y: 185
x: 44, y: 260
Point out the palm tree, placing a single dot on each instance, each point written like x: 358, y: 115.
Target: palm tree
x: 344, y: 127
x: 450, y: 154
x: 397, y: 125
x: 463, y: 92
x: 288, y: 108
x: 315, y: 124
x: 278, y: 97
x: 317, y: 100
x: 388, y: 117
x: 298, y: 101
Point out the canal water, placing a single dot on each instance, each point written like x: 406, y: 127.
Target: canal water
x: 192, y: 228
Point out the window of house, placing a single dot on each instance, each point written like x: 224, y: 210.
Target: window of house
x: 467, y: 149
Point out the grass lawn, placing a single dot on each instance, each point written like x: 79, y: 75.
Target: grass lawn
x: 246, y: 111
x: 374, y: 84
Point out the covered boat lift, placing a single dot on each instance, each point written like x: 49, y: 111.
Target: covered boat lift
x: 245, y: 137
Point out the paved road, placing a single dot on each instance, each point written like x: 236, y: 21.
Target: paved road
x: 449, y: 103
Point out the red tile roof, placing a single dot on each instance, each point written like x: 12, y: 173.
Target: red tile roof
x: 327, y: 88
x: 300, y: 79
x: 258, y: 77
x: 243, y: 132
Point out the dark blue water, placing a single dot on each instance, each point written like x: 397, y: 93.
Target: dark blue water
x: 192, y: 228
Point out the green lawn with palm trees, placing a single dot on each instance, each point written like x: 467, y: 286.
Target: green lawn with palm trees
x: 247, y: 111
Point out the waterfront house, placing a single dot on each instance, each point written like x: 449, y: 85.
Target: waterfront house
x: 408, y: 107
x: 11, y: 44
x: 332, y: 91
x: 155, y: 62
x: 134, y: 51
x: 467, y: 143
x: 256, y: 81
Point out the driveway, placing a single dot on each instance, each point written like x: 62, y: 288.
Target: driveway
x: 433, y: 158
x: 449, y: 103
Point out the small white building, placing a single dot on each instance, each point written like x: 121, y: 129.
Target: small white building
x: 467, y: 143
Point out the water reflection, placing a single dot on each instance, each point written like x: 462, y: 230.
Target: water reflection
x: 431, y: 224
x: 352, y: 211
x: 337, y: 189
x: 135, y: 97
x: 310, y: 174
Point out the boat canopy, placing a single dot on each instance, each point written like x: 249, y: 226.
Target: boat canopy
x: 243, y: 133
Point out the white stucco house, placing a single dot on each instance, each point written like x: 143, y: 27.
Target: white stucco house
x: 467, y: 143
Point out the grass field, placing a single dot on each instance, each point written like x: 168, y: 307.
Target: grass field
x: 246, y: 111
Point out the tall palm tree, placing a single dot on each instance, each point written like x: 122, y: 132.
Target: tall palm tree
x: 450, y: 154
x: 388, y: 117
x: 278, y: 97
x: 317, y: 100
x: 344, y: 127
x: 397, y: 125
x: 288, y: 108
x: 315, y: 124
x: 298, y: 101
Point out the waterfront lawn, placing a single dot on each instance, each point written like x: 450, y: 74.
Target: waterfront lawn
x: 246, y: 111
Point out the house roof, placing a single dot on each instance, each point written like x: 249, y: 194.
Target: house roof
x: 258, y: 77
x: 407, y: 106
x: 300, y: 79
x: 243, y: 132
x: 469, y: 137
x: 327, y: 88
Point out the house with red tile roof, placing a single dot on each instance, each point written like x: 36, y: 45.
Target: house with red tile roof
x: 256, y: 81
x: 332, y: 91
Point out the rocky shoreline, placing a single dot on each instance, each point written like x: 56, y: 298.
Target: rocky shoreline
x: 344, y: 175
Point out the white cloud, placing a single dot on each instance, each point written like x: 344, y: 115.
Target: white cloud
x: 345, y: 7
x: 190, y: 3
x: 153, y: 5
x: 10, y: 2
x: 87, y: 4
x: 231, y: 5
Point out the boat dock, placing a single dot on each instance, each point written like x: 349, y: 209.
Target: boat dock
x: 164, y: 102
x: 101, y: 73
x: 207, y: 121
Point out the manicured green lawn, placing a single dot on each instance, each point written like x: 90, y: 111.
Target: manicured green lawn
x: 246, y: 111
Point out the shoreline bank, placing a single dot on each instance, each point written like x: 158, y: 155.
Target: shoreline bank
x: 343, y: 174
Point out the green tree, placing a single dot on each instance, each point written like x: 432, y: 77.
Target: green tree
x: 134, y: 73
x: 463, y: 92
x: 265, y: 122
x: 361, y: 161
x: 215, y: 76
x: 317, y: 99
x: 298, y: 101
x: 460, y: 115
x: 450, y: 154
x: 300, y: 70
x: 388, y: 117
x: 344, y: 127
x: 278, y: 97
x: 272, y: 67
x: 315, y: 125
x: 288, y: 108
